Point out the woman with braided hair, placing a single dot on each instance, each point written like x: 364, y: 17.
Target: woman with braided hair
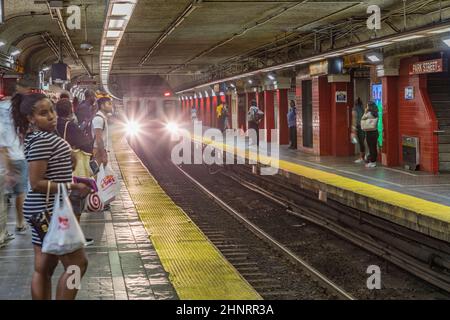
x: 50, y: 163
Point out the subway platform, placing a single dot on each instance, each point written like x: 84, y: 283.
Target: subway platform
x: 145, y: 247
x: 416, y: 200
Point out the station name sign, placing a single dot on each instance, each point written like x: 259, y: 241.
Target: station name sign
x: 429, y: 66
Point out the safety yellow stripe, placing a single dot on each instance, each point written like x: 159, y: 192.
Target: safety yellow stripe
x: 420, y: 206
x: 197, y: 270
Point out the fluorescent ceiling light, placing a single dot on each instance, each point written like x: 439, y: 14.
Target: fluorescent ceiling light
x: 271, y: 77
x: 332, y: 55
x: 15, y: 53
x: 108, y: 48
x: 355, y: 50
x: 107, y: 54
x: 417, y: 36
x: 122, y: 9
x: 446, y: 29
x: 112, y: 34
x: 315, y: 59
x: 373, y: 58
x: 447, y: 42
x: 116, y: 23
x: 250, y: 81
x: 2, y: 43
x: 379, y: 44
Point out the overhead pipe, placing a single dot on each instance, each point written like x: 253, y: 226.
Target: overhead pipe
x: 189, y: 9
x: 245, y: 30
x: 73, y: 52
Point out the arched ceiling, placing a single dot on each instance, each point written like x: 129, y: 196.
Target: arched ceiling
x: 29, y: 26
x: 186, y: 41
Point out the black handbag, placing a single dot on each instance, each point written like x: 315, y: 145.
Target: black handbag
x: 41, y: 221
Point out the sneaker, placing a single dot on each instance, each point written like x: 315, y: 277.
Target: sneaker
x: 371, y: 165
x: 22, y: 230
x: 89, y: 242
x: 8, y: 237
x: 359, y: 161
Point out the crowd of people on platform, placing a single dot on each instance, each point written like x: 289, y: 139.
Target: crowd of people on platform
x: 364, y: 132
x: 39, y: 137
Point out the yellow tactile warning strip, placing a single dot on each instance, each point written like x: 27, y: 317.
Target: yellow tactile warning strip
x: 197, y: 270
x: 420, y: 206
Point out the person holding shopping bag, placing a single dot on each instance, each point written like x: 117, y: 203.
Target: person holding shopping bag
x: 50, y: 164
x: 369, y: 124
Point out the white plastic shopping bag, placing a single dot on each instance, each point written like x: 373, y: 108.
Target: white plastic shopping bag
x: 108, y: 184
x: 64, y: 233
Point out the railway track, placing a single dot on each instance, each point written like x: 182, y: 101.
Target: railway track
x: 284, y: 269
x: 310, y: 270
x: 431, y: 263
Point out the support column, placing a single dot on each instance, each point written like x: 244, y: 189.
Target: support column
x: 390, y: 150
x: 202, y: 110
x: 214, y: 113
x: 341, y: 120
x: 261, y: 105
x: 269, y: 116
x: 283, y: 106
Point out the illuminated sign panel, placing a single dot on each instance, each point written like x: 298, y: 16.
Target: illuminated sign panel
x: 429, y: 66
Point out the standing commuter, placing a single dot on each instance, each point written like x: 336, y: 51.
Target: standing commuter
x: 50, y: 163
x: 225, y: 113
x: 219, y: 109
x: 18, y: 168
x: 254, y: 116
x: 100, y: 131
x: 292, y: 124
x: 86, y: 110
x: 70, y: 132
x: 369, y: 123
x: 358, y: 135
x: 5, y: 181
x: 193, y: 114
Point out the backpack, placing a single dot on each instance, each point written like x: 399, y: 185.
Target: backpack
x: 86, y: 127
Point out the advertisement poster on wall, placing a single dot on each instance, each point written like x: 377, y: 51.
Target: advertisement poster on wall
x: 409, y: 93
x: 341, y: 96
x: 377, y: 97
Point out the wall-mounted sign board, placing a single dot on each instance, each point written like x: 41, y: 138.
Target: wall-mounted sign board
x: 429, y: 66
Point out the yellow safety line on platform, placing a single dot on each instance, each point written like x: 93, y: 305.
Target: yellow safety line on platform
x: 418, y: 205
x: 197, y: 270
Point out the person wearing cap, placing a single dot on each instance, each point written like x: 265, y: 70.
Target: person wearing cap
x: 86, y: 110
x: 100, y: 131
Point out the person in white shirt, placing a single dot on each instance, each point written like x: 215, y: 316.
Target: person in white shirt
x: 100, y: 131
x: 18, y: 168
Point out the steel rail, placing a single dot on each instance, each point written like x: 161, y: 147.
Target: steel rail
x: 322, y: 279
x: 384, y: 250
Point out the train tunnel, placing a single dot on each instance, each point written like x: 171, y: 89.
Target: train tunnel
x: 225, y: 150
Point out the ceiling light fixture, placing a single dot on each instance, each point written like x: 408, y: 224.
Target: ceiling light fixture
x: 416, y: 36
x: 446, y: 41
x: 379, y: 44
x: 373, y: 58
x: 15, y: 53
x: 116, y: 23
x: 112, y: 34
x: 438, y: 31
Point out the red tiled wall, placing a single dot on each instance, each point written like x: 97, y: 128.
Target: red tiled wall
x: 283, y: 103
x: 324, y: 116
x: 416, y: 117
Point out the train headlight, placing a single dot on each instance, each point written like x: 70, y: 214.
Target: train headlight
x: 133, y: 128
x: 172, y: 127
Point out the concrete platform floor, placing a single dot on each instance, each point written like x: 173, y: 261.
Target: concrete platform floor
x: 122, y: 262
